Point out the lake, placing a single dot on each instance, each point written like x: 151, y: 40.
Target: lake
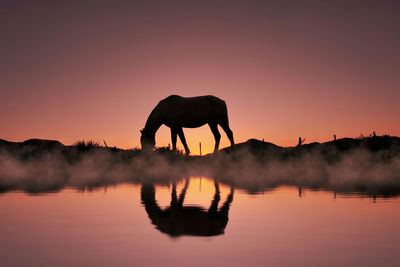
x: 197, y: 222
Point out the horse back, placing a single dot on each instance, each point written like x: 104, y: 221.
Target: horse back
x: 192, y: 111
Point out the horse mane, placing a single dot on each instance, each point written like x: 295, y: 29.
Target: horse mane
x: 146, y: 126
x: 155, y: 110
x: 152, y: 114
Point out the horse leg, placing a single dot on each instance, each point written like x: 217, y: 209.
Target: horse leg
x: 225, y: 207
x: 174, y: 198
x: 183, y: 140
x: 183, y: 193
x: 214, y: 204
x: 174, y: 133
x: 228, y: 131
x: 217, y: 135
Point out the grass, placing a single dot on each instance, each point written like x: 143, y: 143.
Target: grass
x: 86, y: 145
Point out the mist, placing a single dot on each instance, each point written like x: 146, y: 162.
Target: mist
x: 254, y: 166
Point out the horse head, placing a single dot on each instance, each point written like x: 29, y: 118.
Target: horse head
x: 147, y: 140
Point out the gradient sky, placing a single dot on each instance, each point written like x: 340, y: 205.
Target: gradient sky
x: 73, y: 70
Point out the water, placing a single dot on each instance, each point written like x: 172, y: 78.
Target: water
x: 118, y: 226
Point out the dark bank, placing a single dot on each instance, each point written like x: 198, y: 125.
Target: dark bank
x: 367, y: 165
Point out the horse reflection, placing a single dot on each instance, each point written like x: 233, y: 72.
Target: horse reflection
x: 178, y: 220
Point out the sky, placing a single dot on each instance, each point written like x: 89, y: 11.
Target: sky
x: 94, y: 70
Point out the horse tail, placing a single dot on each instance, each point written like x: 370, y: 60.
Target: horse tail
x: 225, y: 123
x: 225, y: 119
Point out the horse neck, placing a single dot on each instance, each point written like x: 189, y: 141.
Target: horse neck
x: 148, y: 196
x: 154, y: 122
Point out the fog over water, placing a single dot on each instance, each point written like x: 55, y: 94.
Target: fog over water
x: 356, y: 171
x: 80, y: 206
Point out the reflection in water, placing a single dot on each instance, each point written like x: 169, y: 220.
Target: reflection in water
x: 178, y: 220
x: 71, y: 228
x: 356, y: 173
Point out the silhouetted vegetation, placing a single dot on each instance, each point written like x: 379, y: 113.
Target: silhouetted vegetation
x: 367, y: 165
x: 86, y: 145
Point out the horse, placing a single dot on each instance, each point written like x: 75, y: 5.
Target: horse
x: 179, y: 112
x: 180, y: 220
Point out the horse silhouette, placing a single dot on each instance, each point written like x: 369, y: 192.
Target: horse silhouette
x: 178, y: 112
x: 178, y: 220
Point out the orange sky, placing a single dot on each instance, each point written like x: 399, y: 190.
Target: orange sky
x: 96, y: 69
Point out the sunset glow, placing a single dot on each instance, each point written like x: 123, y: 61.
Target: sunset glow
x: 95, y: 70
x: 292, y: 158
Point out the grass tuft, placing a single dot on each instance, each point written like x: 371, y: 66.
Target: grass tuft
x: 86, y: 145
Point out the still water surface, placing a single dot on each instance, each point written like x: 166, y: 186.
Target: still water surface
x: 135, y: 225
